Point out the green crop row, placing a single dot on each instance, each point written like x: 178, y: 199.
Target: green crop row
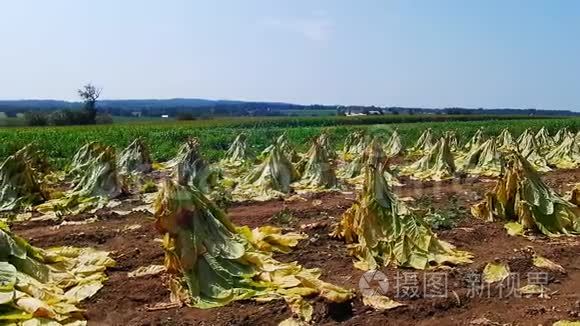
x: 164, y: 138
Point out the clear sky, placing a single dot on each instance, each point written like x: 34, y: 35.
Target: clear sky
x: 435, y: 53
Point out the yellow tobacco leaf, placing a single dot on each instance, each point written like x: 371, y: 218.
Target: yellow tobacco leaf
x: 380, y: 302
x: 495, y: 272
x: 566, y: 323
x: 146, y: 270
x: 532, y: 289
x: 514, y: 228
x: 83, y: 291
x: 543, y: 262
x: 300, y: 307
x: 292, y: 322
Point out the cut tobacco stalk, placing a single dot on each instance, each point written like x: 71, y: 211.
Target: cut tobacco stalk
x: 101, y: 178
x: 524, y: 136
x: 192, y: 169
x: 373, y: 155
x: 424, y: 143
x: 354, y: 145
x: 36, y: 159
x: 482, y: 160
x: 353, y: 168
x: 99, y: 183
x: 452, y: 139
x: 43, y: 287
x: 83, y: 158
x: 561, y: 134
x: 237, y: 154
x: 530, y: 150
x: 317, y: 169
x: 284, y: 147
x: 505, y: 140
x: 437, y: 164
x: 522, y: 197
x: 543, y: 139
x: 382, y: 231
x: 135, y: 158
x: 272, y: 178
x: 324, y: 140
x: 475, y: 141
x: 211, y: 264
x: 566, y: 155
x: 184, y: 150
x: 394, y: 147
x: 19, y: 182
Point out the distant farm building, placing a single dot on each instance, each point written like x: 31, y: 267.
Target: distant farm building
x: 359, y: 112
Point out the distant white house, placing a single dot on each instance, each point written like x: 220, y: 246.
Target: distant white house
x: 353, y: 113
x: 165, y: 116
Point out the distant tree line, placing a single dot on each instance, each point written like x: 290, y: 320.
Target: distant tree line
x: 91, y: 110
x: 65, y: 117
x: 86, y: 115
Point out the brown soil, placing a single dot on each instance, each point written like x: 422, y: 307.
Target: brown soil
x: 133, y: 242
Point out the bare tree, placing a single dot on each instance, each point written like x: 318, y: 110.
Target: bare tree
x: 90, y: 94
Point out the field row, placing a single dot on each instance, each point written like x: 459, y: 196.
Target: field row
x: 60, y: 143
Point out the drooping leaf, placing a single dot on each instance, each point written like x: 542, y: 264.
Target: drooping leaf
x: 372, y: 156
x: 285, y: 148
x: 19, y: 182
x: 505, y: 140
x: 437, y: 164
x: 237, y: 153
x: 99, y: 183
x: 543, y: 139
x: 424, y: 143
x: 521, y: 196
x: 83, y: 158
x: 317, y: 169
x: 561, y: 134
x: 566, y: 155
x: 135, y: 158
x: 530, y: 150
x: 211, y: 264
x: 394, y: 146
x: 272, y: 178
x: 191, y: 168
x: 381, y: 231
x: 354, y: 145
x: 484, y: 159
x: 476, y: 140
x: 270, y: 238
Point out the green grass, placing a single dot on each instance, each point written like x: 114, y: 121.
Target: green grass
x: 164, y: 138
x: 11, y: 122
x: 308, y: 112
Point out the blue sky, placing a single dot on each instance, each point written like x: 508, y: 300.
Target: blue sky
x: 437, y: 53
